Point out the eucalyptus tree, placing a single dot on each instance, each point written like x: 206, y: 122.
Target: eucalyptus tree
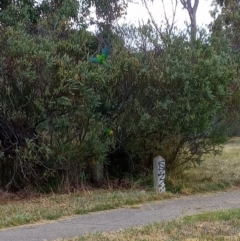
x: 192, y: 11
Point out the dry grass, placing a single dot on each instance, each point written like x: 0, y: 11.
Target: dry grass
x: 224, y: 225
x: 215, y: 173
x: 53, y: 207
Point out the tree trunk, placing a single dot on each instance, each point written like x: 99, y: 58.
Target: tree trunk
x: 97, y: 172
x: 192, y: 10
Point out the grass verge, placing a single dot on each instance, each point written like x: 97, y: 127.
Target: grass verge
x: 215, y: 174
x: 56, y: 206
x: 220, y: 225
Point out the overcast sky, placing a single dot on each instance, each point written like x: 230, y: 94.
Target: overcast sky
x: 136, y: 11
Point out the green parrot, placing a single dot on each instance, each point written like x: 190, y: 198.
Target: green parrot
x: 101, y: 58
x: 109, y: 132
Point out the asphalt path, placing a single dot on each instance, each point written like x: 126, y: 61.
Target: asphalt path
x: 122, y: 218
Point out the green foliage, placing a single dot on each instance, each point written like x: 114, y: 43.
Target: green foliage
x: 48, y: 86
x: 173, y: 101
x: 56, y: 105
x: 226, y: 27
x: 108, y: 10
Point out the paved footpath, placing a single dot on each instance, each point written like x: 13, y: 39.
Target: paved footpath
x: 123, y: 217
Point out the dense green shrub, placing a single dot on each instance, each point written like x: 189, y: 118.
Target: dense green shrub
x: 63, y: 117
x: 174, y: 101
x: 48, y: 86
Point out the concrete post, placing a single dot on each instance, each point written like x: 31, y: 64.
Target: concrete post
x: 159, y: 174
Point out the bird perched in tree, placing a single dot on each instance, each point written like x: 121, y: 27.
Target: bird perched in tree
x: 109, y: 132
x: 101, y: 58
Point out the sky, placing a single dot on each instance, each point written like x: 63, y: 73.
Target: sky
x: 137, y: 12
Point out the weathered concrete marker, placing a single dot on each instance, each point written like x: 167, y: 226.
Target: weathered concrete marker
x: 159, y: 174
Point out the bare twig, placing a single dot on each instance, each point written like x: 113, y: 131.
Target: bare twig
x: 152, y: 19
x: 174, y: 9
